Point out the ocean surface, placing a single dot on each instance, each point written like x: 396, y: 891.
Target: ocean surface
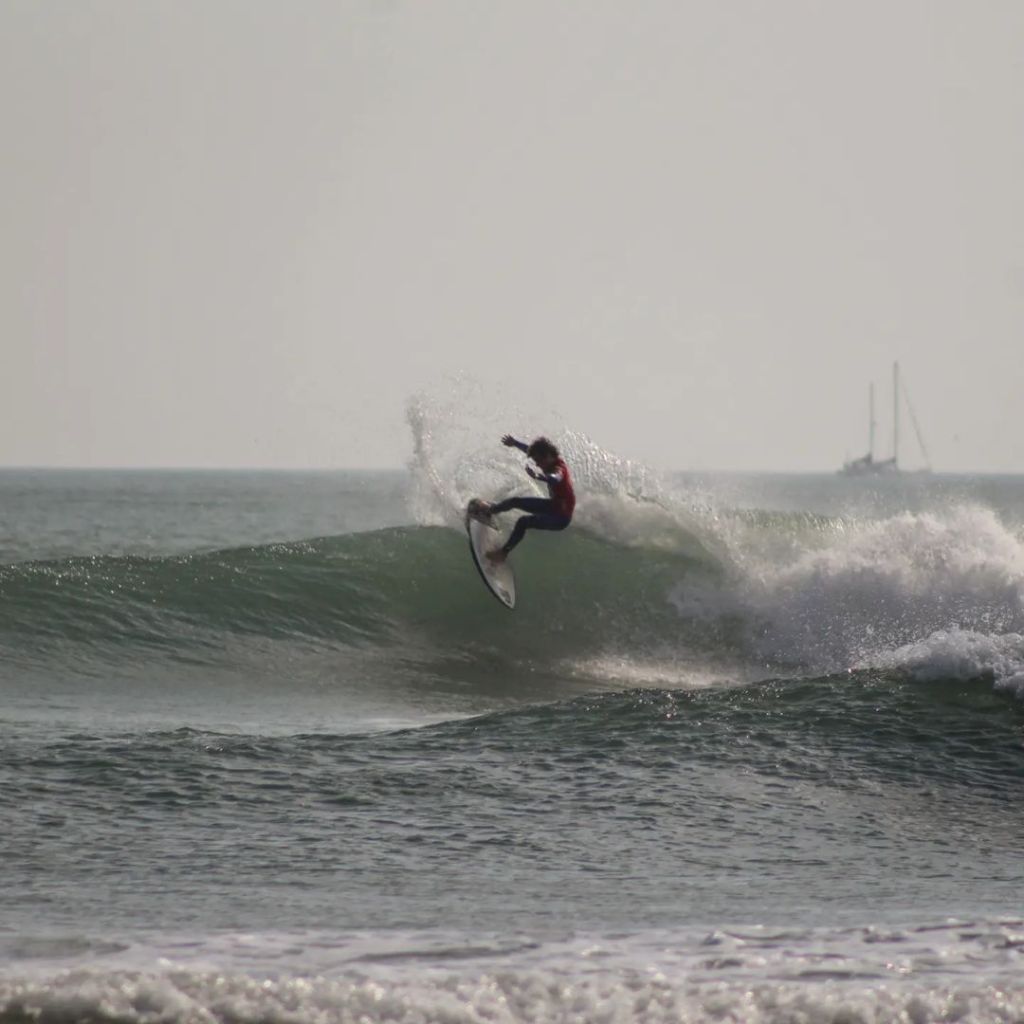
x: 748, y: 750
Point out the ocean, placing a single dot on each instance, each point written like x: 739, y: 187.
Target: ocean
x: 748, y: 750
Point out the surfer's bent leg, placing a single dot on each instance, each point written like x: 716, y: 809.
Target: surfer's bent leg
x: 544, y: 521
x: 536, y: 506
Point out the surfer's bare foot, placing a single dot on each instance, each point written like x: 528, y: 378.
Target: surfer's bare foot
x: 496, y: 557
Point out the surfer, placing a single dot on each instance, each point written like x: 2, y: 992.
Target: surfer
x: 551, y: 513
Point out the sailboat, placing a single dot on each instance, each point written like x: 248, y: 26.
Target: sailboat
x: 868, y: 465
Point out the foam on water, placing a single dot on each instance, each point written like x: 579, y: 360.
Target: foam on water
x: 967, y: 973
x: 670, y: 672
x: 940, y: 594
x: 960, y: 654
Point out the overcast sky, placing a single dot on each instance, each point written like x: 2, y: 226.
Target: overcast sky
x: 241, y: 232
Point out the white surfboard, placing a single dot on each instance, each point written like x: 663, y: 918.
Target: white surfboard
x: 500, y: 579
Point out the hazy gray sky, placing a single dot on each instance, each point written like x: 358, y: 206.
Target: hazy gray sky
x: 237, y: 232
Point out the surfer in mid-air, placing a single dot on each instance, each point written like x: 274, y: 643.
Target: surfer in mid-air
x: 551, y: 513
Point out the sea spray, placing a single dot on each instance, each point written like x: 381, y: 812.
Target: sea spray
x: 783, y: 592
x: 870, y: 586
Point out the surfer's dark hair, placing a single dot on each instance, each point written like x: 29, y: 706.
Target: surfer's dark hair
x: 542, y: 446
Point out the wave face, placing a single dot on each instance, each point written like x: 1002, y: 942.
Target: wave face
x: 391, y: 588
x: 936, y: 595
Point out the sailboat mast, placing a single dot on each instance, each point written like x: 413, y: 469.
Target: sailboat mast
x: 871, y: 421
x: 896, y: 415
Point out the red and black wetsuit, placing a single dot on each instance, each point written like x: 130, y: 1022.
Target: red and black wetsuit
x: 553, y: 513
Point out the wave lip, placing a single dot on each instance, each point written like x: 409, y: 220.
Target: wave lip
x: 852, y: 594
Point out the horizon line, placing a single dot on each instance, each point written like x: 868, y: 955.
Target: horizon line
x: 63, y: 468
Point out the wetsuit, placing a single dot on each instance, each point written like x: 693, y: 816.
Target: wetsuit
x: 553, y: 513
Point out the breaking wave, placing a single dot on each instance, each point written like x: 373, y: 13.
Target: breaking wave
x: 651, y: 586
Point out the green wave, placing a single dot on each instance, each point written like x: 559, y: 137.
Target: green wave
x: 401, y: 586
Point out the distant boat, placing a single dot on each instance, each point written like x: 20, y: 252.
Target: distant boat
x: 868, y: 465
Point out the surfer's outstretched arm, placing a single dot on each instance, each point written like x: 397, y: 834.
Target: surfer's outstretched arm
x: 510, y: 442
